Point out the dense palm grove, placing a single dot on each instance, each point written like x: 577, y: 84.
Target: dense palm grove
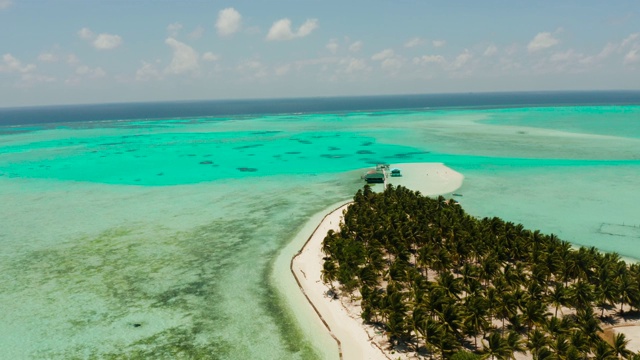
x: 445, y: 284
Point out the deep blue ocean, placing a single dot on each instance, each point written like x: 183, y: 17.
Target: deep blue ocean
x: 221, y: 108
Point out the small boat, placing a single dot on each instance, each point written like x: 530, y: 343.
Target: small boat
x: 456, y: 194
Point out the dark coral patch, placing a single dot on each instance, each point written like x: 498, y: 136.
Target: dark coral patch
x: 409, y: 154
x: 247, y: 146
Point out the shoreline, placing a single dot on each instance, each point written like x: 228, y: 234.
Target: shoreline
x: 332, y: 214
x: 306, y: 266
x: 340, y: 318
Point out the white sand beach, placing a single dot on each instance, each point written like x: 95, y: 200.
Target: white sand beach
x: 428, y: 178
x: 357, y: 341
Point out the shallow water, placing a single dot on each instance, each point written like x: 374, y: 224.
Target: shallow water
x: 156, y: 239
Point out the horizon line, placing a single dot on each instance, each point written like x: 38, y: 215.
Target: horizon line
x: 203, y: 100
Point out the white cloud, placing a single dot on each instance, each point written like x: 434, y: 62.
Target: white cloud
x: 107, y: 42
x: 569, y: 61
x: 490, y: 50
x: 281, y: 30
x: 47, y: 57
x: 429, y: 59
x: 631, y: 38
x: 356, y: 46
x: 147, y: 72
x: 332, y: 46
x: 354, y: 65
x: 307, y: 27
x: 209, y: 56
x: 632, y: 57
x: 11, y: 64
x: 101, y: 41
x: 630, y: 45
x: 462, y: 59
x: 438, y: 43
x: 322, y: 62
x: 542, y: 41
x: 413, y: 42
x: 229, y: 21
x: 197, y: 33
x: 282, y: 70
x: 252, y: 69
x: 4, y: 4
x: 174, y: 28
x: 564, y: 56
x: 94, y: 73
x: 388, y: 59
x: 382, y: 55
x: 29, y: 79
x: 393, y: 63
x: 185, y: 59
x: 85, y: 33
x: 512, y: 49
x: 72, y: 59
x: 608, y: 49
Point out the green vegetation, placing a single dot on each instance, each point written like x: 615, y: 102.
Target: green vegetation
x: 441, y: 282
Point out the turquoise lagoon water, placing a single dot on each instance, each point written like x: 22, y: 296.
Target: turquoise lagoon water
x: 160, y: 239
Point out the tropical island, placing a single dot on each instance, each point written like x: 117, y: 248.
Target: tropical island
x: 439, y: 283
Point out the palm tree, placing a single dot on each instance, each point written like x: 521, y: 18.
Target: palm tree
x: 329, y: 272
x: 431, y: 331
x: 591, y: 329
x: 490, y: 265
x: 496, y: 347
x: 444, y: 342
x: 628, y: 289
x: 553, y: 326
x: 582, y: 294
x: 560, y: 346
x: 545, y: 354
x: 534, y: 312
x: 451, y: 285
x: 573, y: 354
x: 537, y: 341
x: 603, y: 351
x: 506, y: 308
x: 558, y: 297
x: 465, y: 355
x: 580, y: 342
x: 475, y: 321
x: 515, y: 344
x: 620, y: 342
x: 451, y: 319
x: 607, y: 292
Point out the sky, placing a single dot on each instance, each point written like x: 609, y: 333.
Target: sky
x: 105, y: 51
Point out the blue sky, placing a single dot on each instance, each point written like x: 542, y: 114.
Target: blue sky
x: 91, y: 51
